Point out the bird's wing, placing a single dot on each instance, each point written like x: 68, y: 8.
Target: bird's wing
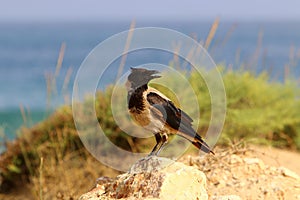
x: 172, y: 115
x: 176, y: 119
x: 155, y: 95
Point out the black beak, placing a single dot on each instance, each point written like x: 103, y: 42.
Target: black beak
x: 153, y: 74
x: 146, y: 73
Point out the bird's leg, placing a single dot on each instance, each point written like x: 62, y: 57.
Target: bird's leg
x: 164, y: 140
x: 159, y: 140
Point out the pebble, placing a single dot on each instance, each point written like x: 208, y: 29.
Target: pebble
x: 286, y: 172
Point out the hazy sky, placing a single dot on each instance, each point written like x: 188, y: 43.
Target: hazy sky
x: 28, y: 10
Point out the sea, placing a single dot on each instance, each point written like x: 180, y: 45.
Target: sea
x: 29, y: 53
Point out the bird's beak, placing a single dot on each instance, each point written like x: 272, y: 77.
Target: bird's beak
x: 154, y: 72
x: 156, y: 76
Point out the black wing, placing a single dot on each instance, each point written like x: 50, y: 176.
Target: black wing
x: 177, y: 119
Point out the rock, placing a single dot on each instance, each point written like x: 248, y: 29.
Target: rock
x: 286, y: 172
x: 153, y: 178
x: 257, y: 161
x: 150, y: 164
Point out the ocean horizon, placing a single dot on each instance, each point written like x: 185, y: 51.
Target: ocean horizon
x: 29, y: 53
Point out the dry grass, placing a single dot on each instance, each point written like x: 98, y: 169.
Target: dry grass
x: 51, y: 169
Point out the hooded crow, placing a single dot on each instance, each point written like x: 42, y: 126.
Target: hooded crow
x: 157, y: 113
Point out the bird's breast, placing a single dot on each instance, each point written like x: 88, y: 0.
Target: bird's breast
x: 141, y: 117
x: 139, y: 109
x: 147, y: 120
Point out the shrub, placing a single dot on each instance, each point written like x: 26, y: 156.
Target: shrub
x: 257, y: 109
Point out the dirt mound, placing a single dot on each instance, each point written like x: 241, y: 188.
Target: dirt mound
x: 245, y: 173
x: 233, y: 173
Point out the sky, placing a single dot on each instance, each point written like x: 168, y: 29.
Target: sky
x: 67, y: 10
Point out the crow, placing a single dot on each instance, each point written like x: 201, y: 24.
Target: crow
x: 157, y: 113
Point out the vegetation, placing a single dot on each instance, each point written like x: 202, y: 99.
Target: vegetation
x: 262, y: 111
x: 258, y: 110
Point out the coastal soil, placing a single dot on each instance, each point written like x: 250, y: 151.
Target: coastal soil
x: 253, y: 172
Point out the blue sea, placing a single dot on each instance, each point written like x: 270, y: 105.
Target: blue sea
x: 29, y: 52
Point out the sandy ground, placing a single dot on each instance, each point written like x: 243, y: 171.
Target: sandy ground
x: 251, y: 173
x: 277, y: 157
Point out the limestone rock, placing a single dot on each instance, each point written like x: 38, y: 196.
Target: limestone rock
x: 153, y: 178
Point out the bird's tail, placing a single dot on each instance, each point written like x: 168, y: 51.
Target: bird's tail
x: 202, y: 146
x: 190, y: 134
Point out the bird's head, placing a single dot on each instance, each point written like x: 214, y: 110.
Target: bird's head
x: 139, y: 77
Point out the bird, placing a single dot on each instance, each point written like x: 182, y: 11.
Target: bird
x: 155, y: 112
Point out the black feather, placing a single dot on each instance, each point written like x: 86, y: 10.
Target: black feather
x: 178, y: 120
x: 135, y: 99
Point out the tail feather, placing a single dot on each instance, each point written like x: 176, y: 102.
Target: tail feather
x: 190, y: 134
x: 203, y: 146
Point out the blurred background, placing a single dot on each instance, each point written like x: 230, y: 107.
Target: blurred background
x: 256, y: 35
